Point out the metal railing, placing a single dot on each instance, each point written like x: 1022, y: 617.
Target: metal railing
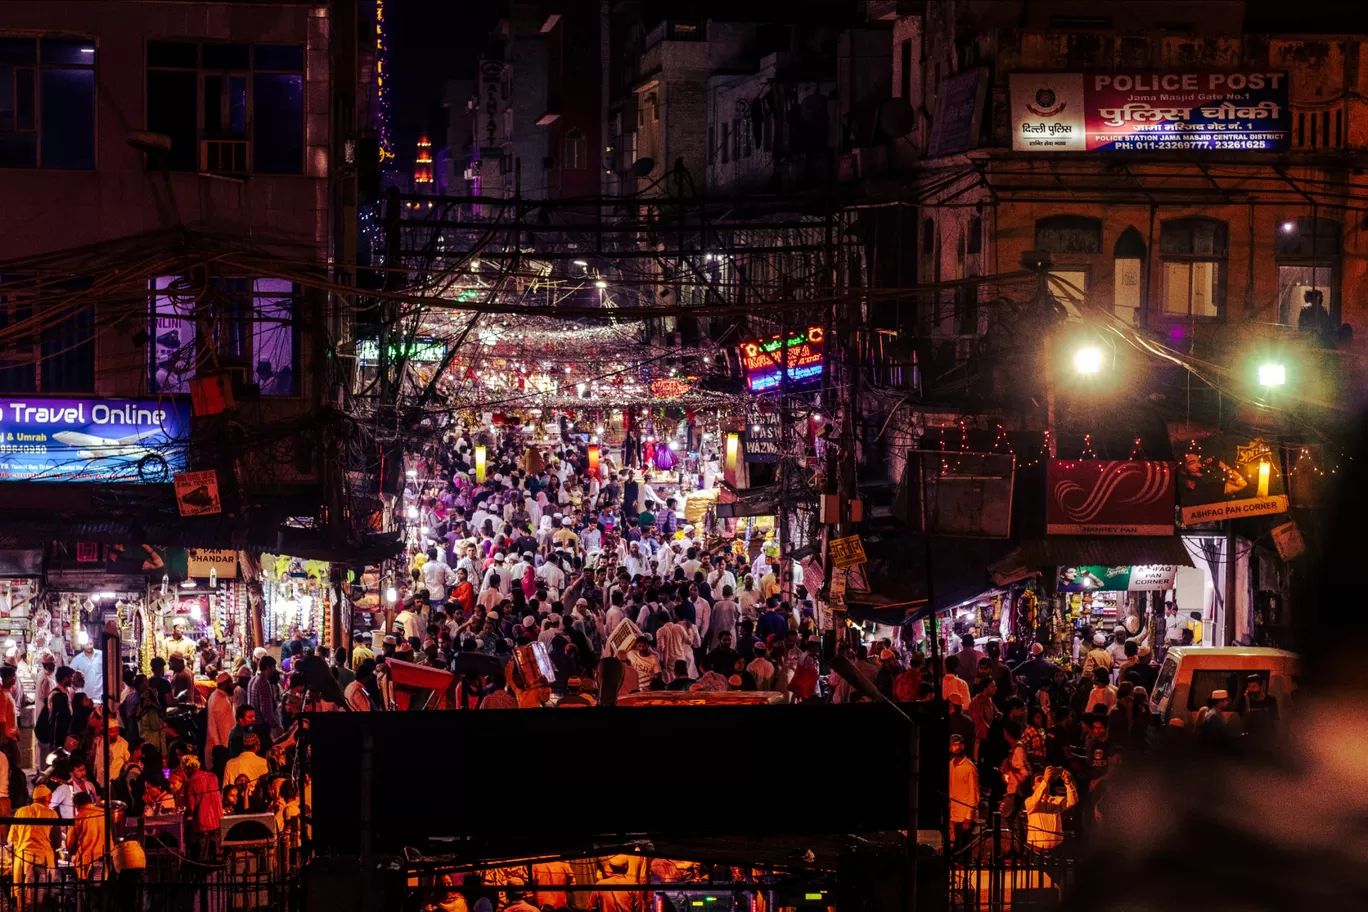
x: 995, y: 872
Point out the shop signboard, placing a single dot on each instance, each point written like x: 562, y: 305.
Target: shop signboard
x: 1228, y: 477
x: 1151, y: 578
x: 1150, y: 112
x: 959, y: 110
x: 846, y: 552
x: 671, y: 387
x: 1287, y: 538
x: 221, y: 562
x: 128, y: 440
x: 197, y: 493
x: 762, y: 437
x: 763, y: 362
x: 1109, y: 497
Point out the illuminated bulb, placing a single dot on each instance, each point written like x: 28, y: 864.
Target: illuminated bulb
x: 1272, y: 375
x: 1088, y: 360
x: 599, y: 429
x: 755, y: 428
x: 82, y: 638
x: 674, y: 444
x: 412, y: 473
x: 196, y: 613
x: 411, y: 512
x: 707, y: 360
x: 105, y: 595
x: 189, y: 584
x: 600, y: 284
x: 391, y: 594
x: 581, y: 263
x: 422, y: 530
x: 567, y: 370
x: 1288, y: 227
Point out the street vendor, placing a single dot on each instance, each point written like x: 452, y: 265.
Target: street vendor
x: 178, y: 644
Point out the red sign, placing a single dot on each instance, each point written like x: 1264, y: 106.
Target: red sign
x: 670, y: 388
x: 1109, y: 497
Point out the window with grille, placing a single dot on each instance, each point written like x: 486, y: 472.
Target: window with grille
x: 252, y: 327
x: 228, y: 108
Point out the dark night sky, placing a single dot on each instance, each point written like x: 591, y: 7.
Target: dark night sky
x: 431, y: 41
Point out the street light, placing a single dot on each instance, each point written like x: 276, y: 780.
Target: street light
x: 1088, y: 360
x: 1271, y: 375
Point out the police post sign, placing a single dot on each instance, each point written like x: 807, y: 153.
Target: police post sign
x: 1150, y: 112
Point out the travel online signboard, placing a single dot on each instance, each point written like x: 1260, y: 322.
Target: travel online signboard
x: 1150, y: 112
x: 136, y: 440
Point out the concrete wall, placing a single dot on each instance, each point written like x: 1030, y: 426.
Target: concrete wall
x: 48, y: 210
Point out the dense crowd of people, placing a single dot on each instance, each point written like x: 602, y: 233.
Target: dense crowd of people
x: 1038, y: 744
x: 170, y: 751
x: 604, y: 573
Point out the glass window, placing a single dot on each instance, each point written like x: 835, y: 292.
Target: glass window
x: 278, y: 146
x: 171, y: 111
x: 184, y: 54
x: 172, y: 343
x: 1194, y: 252
x: 254, y: 328
x: 1192, y: 289
x: 1308, y: 253
x: 235, y: 96
x: 68, y: 364
x: 47, y: 103
x: 68, y: 116
x: 287, y: 57
x: 225, y: 56
x: 52, y: 354
x: 273, y: 336
x: 1303, y: 286
x: 1233, y: 682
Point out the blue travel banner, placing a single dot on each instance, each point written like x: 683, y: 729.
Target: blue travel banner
x: 134, y: 440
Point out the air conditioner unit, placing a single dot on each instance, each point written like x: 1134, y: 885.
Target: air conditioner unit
x: 223, y: 156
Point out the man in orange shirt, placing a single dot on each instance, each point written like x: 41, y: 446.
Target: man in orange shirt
x: 552, y: 874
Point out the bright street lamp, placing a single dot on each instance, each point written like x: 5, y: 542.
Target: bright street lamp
x: 1272, y: 375
x: 1088, y: 360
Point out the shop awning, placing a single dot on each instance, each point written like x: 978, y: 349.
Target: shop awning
x: 1034, y: 555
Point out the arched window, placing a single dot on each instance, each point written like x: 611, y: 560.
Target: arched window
x: 1194, y: 253
x: 1128, y: 259
x: 1308, y: 254
x: 576, y: 150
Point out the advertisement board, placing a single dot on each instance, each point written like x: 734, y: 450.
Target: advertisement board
x: 1228, y: 478
x: 1150, y: 112
x: 762, y: 362
x: 135, y: 440
x: 959, y: 111
x: 1109, y: 497
x: 222, y: 561
x: 1153, y: 578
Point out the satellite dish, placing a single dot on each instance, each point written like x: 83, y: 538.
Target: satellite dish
x: 643, y: 167
x: 896, y: 117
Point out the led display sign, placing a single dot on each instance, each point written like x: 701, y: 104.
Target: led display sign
x: 764, y: 360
